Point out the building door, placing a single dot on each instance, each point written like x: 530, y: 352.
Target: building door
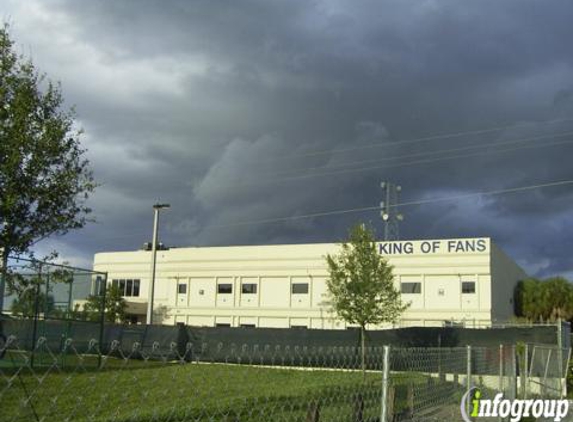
x: 182, y: 293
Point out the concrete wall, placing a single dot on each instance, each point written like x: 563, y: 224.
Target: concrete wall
x: 506, y: 274
x: 440, y: 266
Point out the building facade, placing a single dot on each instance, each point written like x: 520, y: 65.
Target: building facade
x: 445, y: 281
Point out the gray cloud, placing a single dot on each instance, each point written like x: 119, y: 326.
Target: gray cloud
x: 206, y: 104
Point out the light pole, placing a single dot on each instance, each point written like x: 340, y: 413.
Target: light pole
x: 156, y: 209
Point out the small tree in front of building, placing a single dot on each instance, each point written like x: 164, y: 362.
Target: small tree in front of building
x: 361, y: 284
x: 115, y: 306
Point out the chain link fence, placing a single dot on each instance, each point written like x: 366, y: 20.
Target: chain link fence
x: 547, y: 371
x: 240, y: 383
x: 43, y: 290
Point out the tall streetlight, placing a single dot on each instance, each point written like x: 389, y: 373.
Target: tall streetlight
x: 156, y: 209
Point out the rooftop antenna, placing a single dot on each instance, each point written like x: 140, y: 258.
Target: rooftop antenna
x: 389, y: 212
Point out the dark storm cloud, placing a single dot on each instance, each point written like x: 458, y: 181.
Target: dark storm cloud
x: 202, y: 103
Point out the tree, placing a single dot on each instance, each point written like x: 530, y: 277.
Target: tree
x: 44, y: 176
x: 546, y: 300
x: 529, y: 299
x: 32, y: 302
x: 558, y: 294
x: 115, y: 306
x: 361, y: 284
x: 32, y: 287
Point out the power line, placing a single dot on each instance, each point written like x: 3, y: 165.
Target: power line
x: 415, y: 140
x: 371, y: 208
x: 398, y: 165
x: 411, y: 163
x: 403, y: 204
x: 430, y: 153
x: 417, y: 162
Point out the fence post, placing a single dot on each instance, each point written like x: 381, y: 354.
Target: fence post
x: 513, y: 372
x: 544, y: 387
x: 560, y: 356
x: 36, y: 316
x: 500, y: 372
x: 468, y: 374
x: 385, y: 379
x: 501, y: 368
x: 102, y: 322
x: 469, y: 367
x: 524, y: 373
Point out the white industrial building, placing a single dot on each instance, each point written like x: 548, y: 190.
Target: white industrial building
x: 446, y: 281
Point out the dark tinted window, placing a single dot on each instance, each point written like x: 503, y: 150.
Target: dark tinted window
x: 135, y: 287
x: 249, y: 288
x: 225, y: 288
x: 128, y: 287
x: 411, y: 288
x: 468, y: 286
x: 182, y: 288
x: 299, y: 288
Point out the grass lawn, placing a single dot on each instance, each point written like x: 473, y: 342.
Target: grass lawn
x: 72, y: 388
x: 188, y: 392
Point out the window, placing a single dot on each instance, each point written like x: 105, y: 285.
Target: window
x: 225, y: 288
x: 136, y: 288
x: 248, y: 325
x: 222, y: 324
x: 182, y: 288
x: 468, y: 287
x: 97, y: 287
x: 300, y: 327
x: 249, y: 289
x: 128, y: 288
x: 411, y: 288
x: 299, y: 288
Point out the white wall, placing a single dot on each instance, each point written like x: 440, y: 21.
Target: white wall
x: 439, y: 265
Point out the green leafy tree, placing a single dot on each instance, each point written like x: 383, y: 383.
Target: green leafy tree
x: 26, y: 304
x: 32, y: 288
x: 546, y: 300
x: 361, y: 284
x: 558, y: 298
x: 44, y: 176
x: 529, y: 299
x: 115, y: 306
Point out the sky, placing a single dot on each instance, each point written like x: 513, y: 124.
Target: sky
x: 241, y: 111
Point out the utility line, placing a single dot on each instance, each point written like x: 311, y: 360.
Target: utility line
x: 372, y: 208
x: 398, y: 165
x: 403, y: 204
x: 430, y: 153
x: 416, y: 140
